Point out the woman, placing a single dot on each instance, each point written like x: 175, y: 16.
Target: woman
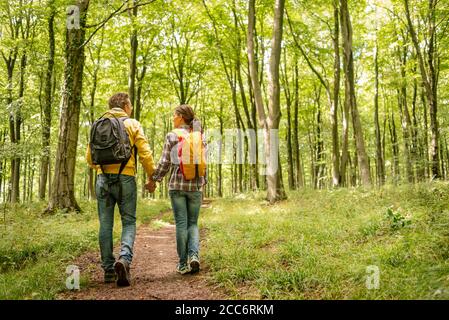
x: 185, y: 195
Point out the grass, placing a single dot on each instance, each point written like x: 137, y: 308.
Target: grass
x: 322, y: 244
x: 35, y: 249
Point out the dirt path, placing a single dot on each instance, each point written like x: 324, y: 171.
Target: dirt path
x: 152, y: 271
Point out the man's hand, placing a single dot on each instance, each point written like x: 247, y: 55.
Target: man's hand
x: 150, y: 185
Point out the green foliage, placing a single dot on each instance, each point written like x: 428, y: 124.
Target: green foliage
x: 396, y: 219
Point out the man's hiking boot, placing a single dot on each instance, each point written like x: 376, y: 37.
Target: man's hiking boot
x: 194, y: 264
x: 110, y: 276
x: 182, y: 268
x: 121, y: 268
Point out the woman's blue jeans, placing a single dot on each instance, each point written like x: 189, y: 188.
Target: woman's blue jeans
x: 186, y: 207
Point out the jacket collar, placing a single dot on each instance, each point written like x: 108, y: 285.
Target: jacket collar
x: 117, y: 112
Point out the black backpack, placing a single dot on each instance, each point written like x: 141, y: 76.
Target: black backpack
x: 109, y: 141
x: 110, y: 144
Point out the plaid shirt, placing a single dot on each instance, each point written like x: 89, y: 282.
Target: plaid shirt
x: 177, y: 181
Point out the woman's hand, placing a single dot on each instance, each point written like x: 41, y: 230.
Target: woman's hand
x: 150, y: 185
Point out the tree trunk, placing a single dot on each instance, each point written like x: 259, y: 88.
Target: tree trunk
x: 336, y: 174
x: 380, y: 165
x: 254, y: 121
x: 312, y: 147
x: 405, y: 116
x: 394, y: 148
x: 426, y: 135
x: 133, y: 61
x: 220, y: 152
x: 288, y: 134
x: 63, y: 189
x: 12, y: 131
x: 318, y: 142
x: 416, y: 141
x: 15, y: 195
x: 298, y: 165
x: 30, y: 193
x: 46, y: 121
x: 350, y: 97
x: 291, y: 180
x: 140, y: 79
x: 25, y: 177
x: 92, y: 173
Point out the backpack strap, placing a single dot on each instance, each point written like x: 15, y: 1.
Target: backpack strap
x: 123, y: 164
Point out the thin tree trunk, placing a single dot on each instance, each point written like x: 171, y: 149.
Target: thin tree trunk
x: 336, y: 174
x: 312, y: 147
x: 31, y: 185
x: 405, y: 116
x: 18, y: 125
x: 220, y: 153
x: 92, y: 173
x: 426, y: 135
x: 345, y: 145
x: 319, y: 149
x: 46, y: 121
x: 25, y: 177
x: 133, y: 60
x: 395, y: 148
x: 10, y: 63
x: 288, y: 134
x: 380, y: 166
x: 416, y: 141
x: 291, y: 180
x: 298, y: 165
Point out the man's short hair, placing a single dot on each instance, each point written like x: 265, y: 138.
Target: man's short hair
x: 119, y: 100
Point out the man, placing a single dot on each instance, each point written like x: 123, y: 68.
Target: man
x: 114, y: 188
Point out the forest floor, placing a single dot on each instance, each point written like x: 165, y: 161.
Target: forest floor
x: 153, y: 270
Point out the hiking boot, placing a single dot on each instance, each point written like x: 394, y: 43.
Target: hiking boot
x: 194, y: 263
x: 110, y: 276
x: 121, y: 268
x: 182, y: 268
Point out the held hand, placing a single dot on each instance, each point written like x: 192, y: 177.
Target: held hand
x: 150, y: 186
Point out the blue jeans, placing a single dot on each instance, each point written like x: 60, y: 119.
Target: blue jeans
x: 186, y: 208
x: 107, y: 198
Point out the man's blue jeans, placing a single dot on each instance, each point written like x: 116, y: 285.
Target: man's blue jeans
x: 107, y: 197
x: 186, y: 207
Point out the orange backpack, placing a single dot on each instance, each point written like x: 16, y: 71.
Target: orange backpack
x: 191, y: 154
